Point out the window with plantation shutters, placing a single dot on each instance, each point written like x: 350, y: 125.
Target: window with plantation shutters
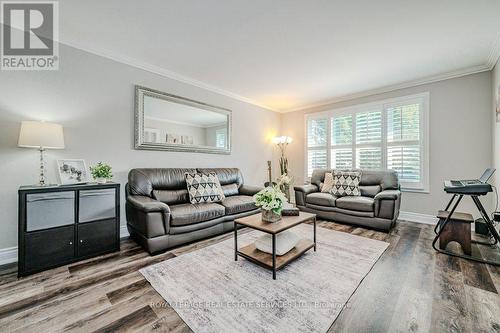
x: 403, y: 140
x: 220, y: 138
x: 389, y: 134
x: 317, y: 137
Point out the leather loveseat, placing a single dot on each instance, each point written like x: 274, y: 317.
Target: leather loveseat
x: 377, y: 207
x: 160, y: 215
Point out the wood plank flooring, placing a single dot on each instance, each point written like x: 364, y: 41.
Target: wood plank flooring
x: 410, y: 289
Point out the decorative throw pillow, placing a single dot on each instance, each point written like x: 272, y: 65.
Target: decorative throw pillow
x: 346, y: 183
x: 285, y: 241
x: 204, y: 188
x: 328, y: 183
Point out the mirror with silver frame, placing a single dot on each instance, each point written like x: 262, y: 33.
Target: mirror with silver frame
x: 168, y: 122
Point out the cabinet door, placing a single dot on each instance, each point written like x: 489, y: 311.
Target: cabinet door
x: 97, y: 237
x: 97, y: 205
x: 49, y: 248
x: 48, y: 210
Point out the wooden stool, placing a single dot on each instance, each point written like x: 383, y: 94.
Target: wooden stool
x: 457, y: 229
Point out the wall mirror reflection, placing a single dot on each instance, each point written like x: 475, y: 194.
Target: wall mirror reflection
x: 168, y: 122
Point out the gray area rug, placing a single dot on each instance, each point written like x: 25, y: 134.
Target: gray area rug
x: 213, y: 293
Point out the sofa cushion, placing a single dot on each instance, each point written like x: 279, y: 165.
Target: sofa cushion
x: 203, y: 188
x: 238, y: 203
x: 230, y: 189
x: 362, y: 204
x: 185, y: 214
x: 171, y: 197
x: 321, y: 199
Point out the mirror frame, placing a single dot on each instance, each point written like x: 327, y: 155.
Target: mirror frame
x: 141, y: 91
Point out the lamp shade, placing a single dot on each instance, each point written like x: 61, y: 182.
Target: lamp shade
x: 37, y: 134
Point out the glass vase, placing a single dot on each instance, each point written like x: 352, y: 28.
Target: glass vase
x: 270, y: 216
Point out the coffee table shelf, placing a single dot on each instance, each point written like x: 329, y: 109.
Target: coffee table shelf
x: 271, y: 260
x: 266, y: 259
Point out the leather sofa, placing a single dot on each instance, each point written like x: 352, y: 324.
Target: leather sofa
x: 160, y: 215
x: 377, y: 207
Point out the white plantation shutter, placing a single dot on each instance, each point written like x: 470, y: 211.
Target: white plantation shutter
x: 317, y: 132
x: 317, y: 137
x: 369, y: 127
x: 342, y: 130
x: 342, y: 158
x: 388, y: 134
x: 404, y: 153
x: 341, y: 153
x: 369, y: 158
x: 369, y: 140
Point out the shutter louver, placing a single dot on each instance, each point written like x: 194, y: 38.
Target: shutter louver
x: 342, y: 158
x: 368, y: 127
x: 342, y: 130
x: 369, y: 158
x: 316, y: 159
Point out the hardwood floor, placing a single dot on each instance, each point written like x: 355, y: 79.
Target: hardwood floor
x: 410, y: 289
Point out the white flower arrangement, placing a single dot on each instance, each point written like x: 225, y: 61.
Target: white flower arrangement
x: 285, y: 179
x: 270, y: 198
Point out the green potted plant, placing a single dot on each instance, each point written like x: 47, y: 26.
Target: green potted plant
x: 101, y: 172
x: 271, y: 201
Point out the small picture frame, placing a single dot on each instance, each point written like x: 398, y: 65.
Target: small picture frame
x: 72, y: 171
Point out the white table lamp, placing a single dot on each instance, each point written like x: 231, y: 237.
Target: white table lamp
x: 41, y: 135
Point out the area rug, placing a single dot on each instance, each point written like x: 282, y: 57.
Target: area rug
x: 213, y: 293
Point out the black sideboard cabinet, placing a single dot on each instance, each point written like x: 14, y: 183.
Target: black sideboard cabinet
x: 63, y: 224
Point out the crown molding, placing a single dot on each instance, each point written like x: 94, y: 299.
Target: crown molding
x: 163, y: 72
x: 494, y: 53
x: 490, y: 64
x: 398, y: 86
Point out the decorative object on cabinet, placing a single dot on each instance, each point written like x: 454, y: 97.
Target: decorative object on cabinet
x: 72, y: 171
x: 101, y: 173
x: 63, y: 224
x: 42, y: 136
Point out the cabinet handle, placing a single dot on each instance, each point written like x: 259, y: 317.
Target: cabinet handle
x: 70, y: 243
x: 81, y: 240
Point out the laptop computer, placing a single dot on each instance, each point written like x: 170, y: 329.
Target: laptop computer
x: 483, y: 179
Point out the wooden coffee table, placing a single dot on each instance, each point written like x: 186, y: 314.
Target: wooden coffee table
x: 270, y: 261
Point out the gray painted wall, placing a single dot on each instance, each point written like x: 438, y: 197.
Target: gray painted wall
x: 93, y: 98
x: 495, y: 80
x: 460, y: 136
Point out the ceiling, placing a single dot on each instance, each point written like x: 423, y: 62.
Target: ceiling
x: 286, y: 55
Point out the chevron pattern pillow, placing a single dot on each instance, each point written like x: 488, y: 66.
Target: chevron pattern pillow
x: 204, y: 188
x: 346, y: 183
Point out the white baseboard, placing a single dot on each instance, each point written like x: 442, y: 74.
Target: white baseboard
x: 124, y: 231
x: 417, y: 217
x: 9, y: 254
